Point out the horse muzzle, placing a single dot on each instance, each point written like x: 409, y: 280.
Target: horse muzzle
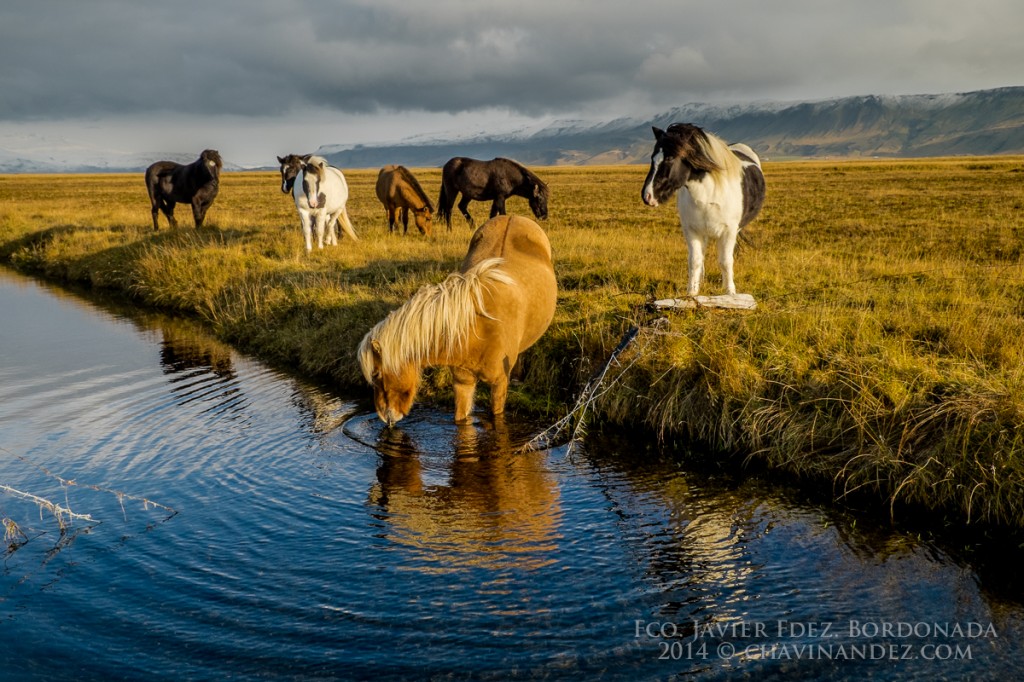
x: 648, y: 197
x: 390, y: 416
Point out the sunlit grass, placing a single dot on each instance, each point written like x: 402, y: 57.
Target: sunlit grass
x: 885, y: 356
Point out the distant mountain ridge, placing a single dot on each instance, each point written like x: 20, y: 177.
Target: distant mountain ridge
x: 982, y: 122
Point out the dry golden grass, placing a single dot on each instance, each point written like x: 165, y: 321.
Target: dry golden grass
x: 885, y: 356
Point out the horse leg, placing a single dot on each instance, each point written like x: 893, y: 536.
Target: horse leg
x: 499, y: 393
x: 305, y: 218
x: 404, y: 220
x: 726, y: 247
x: 346, y: 225
x: 498, y: 206
x: 464, y: 208
x: 695, y: 245
x: 465, y: 387
x: 156, y: 213
x: 168, y: 210
x: 332, y: 230
x: 319, y: 223
x: 392, y: 218
x: 198, y: 212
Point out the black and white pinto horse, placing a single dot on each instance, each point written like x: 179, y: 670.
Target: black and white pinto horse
x: 290, y: 167
x: 493, y: 181
x: 321, y: 194
x: 721, y: 189
x: 169, y: 183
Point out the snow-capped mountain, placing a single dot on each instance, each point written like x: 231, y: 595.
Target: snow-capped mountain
x: 981, y: 122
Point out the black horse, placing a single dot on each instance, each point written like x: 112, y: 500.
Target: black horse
x: 492, y: 181
x: 170, y: 183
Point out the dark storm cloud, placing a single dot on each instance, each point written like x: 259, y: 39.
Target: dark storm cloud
x: 68, y: 58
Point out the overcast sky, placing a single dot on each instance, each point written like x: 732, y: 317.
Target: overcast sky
x: 256, y: 78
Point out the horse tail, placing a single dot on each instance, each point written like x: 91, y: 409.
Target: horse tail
x: 346, y: 225
x: 444, y: 204
x: 151, y: 175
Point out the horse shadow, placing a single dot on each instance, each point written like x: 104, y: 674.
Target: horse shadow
x: 39, y: 240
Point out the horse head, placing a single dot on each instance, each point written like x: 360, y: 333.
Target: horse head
x: 313, y: 172
x: 210, y: 158
x: 424, y: 219
x: 539, y: 200
x: 290, y: 167
x: 679, y: 153
x: 393, y: 392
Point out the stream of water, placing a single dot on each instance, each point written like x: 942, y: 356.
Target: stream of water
x: 237, y: 522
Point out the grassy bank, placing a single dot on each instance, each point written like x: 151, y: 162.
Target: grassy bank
x: 885, y: 356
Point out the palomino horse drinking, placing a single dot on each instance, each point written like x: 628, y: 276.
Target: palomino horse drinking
x: 493, y: 181
x: 400, y: 191
x: 169, y: 183
x: 477, y: 321
x: 721, y: 189
x: 320, y: 194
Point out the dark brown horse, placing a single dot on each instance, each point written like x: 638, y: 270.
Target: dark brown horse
x: 493, y: 181
x: 170, y: 183
x: 399, y: 190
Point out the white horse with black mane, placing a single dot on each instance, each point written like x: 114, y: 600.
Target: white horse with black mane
x: 320, y: 194
x: 721, y: 189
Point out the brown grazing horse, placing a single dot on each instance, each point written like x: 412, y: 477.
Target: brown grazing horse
x: 493, y: 181
x: 477, y: 321
x: 399, y: 190
x: 170, y: 183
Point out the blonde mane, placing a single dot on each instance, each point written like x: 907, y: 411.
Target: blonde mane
x: 435, y: 322
x: 728, y: 165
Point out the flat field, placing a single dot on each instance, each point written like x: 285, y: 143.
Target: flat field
x: 885, y: 357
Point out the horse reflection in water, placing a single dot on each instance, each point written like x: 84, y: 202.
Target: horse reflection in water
x: 489, y: 506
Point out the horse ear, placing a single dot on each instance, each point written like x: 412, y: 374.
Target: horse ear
x: 306, y: 157
x: 280, y: 160
x: 658, y: 132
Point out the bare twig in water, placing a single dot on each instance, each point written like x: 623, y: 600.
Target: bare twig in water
x: 121, y: 496
x: 63, y: 514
